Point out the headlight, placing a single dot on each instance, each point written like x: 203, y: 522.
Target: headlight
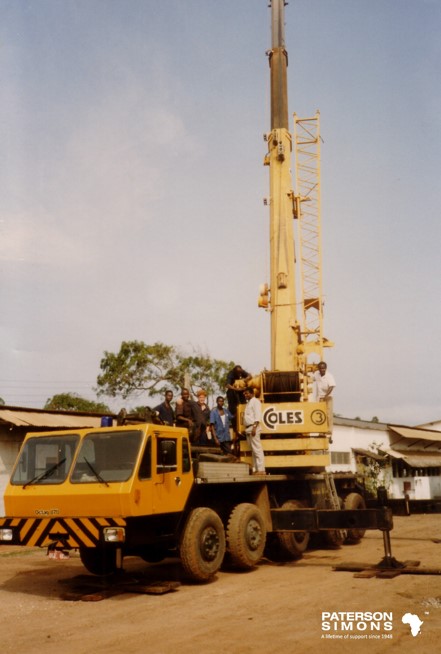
x: 6, y: 534
x: 114, y: 534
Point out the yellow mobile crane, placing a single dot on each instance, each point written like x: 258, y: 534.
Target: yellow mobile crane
x: 141, y: 489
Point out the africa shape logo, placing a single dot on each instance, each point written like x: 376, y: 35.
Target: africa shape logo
x: 414, y: 623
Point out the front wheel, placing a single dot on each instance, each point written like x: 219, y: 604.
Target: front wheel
x: 246, y: 536
x: 99, y: 560
x: 202, y: 545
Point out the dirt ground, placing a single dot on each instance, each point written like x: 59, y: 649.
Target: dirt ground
x: 273, y: 608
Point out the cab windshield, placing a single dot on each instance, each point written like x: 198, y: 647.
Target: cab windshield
x: 45, y: 460
x: 106, y: 456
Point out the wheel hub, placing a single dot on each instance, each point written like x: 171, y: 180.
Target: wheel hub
x: 253, y: 534
x: 209, y: 544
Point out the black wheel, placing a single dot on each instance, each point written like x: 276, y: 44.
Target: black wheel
x: 202, y: 545
x: 246, y: 536
x: 355, y: 501
x: 99, y: 560
x: 332, y: 538
x: 292, y: 543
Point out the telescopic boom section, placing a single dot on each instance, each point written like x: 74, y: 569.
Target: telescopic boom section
x: 279, y: 64
x: 284, y: 327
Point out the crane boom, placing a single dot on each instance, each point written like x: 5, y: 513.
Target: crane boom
x: 284, y: 326
x: 294, y: 427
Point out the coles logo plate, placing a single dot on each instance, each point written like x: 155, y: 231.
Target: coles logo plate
x: 273, y: 417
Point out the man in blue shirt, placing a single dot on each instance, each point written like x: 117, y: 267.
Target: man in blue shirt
x: 220, y: 423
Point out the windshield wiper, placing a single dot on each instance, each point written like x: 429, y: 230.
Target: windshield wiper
x: 44, y: 475
x: 96, y: 473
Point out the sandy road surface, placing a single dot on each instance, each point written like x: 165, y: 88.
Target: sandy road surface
x: 274, y: 608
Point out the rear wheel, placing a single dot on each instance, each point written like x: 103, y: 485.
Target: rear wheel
x: 202, y: 546
x: 246, y: 536
x: 355, y: 501
x: 334, y: 538
x: 292, y: 544
x: 331, y: 538
x: 99, y: 560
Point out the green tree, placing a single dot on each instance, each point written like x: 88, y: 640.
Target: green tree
x: 377, y: 471
x: 139, y: 368
x: 73, y: 402
x: 2, y: 402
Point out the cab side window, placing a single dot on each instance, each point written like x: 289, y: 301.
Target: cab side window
x: 145, y: 469
x: 186, y: 457
x: 166, y: 460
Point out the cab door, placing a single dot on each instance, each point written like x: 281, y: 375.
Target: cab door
x: 172, y: 472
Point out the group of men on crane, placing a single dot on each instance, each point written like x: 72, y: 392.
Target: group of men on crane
x: 218, y: 424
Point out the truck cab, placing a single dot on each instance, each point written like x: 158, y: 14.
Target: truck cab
x: 98, y: 490
x: 121, y: 471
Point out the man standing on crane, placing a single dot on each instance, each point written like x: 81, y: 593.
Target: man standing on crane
x: 235, y: 394
x: 324, y: 384
x: 252, y: 417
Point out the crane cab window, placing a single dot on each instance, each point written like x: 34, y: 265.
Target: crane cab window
x: 166, y: 455
x: 186, y: 456
x: 107, y: 456
x: 145, y: 468
x: 45, y: 460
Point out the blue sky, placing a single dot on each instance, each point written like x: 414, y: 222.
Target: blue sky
x: 132, y: 182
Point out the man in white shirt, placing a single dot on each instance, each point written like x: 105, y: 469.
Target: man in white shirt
x: 252, y: 417
x: 324, y: 384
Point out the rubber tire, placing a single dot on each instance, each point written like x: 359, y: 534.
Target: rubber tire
x: 334, y: 538
x: 98, y: 560
x: 292, y: 544
x: 202, y: 544
x: 355, y: 501
x: 246, y: 536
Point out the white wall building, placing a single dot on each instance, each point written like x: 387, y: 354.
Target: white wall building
x: 413, y: 461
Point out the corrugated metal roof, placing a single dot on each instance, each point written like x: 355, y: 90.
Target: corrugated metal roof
x: 360, y: 424
x: 415, y: 434
x: 25, y: 418
x: 423, y: 460
x: 418, y: 459
x: 368, y: 453
x: 395, y: 454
